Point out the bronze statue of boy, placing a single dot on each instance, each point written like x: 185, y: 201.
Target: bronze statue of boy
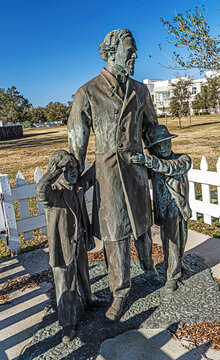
x: 69, y: 235
x: 168, y: 172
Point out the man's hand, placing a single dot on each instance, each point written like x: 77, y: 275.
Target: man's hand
x: 138, y: 158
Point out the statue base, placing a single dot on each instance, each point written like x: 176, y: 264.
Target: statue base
x: 197, y: 299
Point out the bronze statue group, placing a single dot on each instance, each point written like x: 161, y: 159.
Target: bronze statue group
x: 120, y: 112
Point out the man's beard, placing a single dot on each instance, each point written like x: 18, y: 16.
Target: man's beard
x: 126, y: 69
x: 129, y: 67
x: 130, y: 71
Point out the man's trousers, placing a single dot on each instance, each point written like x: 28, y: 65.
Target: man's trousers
x: 118, y: 262
x: 174, y: 237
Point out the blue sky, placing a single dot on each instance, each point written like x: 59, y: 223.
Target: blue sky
x: 49, y: 48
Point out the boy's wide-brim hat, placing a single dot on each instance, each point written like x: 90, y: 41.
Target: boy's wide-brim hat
x: 157, y: 134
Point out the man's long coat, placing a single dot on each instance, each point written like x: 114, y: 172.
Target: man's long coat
x: 119, y: 123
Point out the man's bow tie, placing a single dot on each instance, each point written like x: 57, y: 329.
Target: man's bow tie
x: 122, y: 79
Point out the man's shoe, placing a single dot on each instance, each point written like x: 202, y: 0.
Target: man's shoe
x: 153, y: 279
x: 96, y: 302
x: 68, y: 334
x: 116, y: 309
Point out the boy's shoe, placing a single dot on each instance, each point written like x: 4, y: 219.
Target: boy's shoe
x: 170, y: 286
x: 116, y: 309
x: 68, y: 334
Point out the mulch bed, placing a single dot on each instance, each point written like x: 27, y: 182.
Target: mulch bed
x: 201, y: 332
x: 195, y: 334
x: 217, y: 280
x: 157, y: 253
x: 24, y: 282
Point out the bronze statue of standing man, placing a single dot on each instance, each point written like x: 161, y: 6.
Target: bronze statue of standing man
x: 119, y: 110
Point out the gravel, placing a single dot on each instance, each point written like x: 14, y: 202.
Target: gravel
x: 196, y: 300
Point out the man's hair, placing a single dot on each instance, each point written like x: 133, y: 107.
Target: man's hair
x: 111, y: 41
x: 58, y: 155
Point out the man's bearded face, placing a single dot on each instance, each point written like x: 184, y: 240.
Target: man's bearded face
x: 125, y: 55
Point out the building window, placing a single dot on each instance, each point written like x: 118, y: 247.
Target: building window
x: 161, y: 97
x: 194, y: 91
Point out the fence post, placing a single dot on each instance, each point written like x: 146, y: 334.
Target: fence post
x: 37, y: 176
x: 206, y: 196
x: 23, y: 205
x: 218, y: 187
x: 192, y: 196
x: 13, y: 238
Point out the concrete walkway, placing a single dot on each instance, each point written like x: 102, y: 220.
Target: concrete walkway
x: 199, y: 244
x: 24, y: 309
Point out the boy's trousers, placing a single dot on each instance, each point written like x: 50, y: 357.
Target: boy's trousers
x: 174, y: 237
x: 66, y: 280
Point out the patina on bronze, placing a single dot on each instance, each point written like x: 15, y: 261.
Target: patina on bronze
x: 119, y: 110
x: 69, y: 235
x: 170, y: 197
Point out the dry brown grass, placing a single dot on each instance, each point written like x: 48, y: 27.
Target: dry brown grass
x: 33, y: 150
x: 202, y: 138
x: 38, y: 144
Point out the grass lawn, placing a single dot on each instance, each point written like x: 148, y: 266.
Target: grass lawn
x: 201, y: 138
x: 38, y: 144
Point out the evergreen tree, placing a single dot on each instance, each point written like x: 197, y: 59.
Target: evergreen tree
x: 13, y: 106
x: 209, y: 96
x: 55, y: 111
x: 37, y: 115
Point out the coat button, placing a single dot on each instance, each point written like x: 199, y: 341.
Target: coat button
x: 123, y: 129
x: 116, y: 111
x: 120, y: 145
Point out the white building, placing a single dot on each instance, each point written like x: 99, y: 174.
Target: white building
x: 161, y: 91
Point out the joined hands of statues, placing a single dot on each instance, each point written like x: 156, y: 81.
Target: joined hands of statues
x: 138, y: 158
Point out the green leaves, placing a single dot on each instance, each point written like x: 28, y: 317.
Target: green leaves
x: 13, y: 106
x: 209, y: 96
x: 191, y: 31
x: 57, y: 112
x: 179, y: 102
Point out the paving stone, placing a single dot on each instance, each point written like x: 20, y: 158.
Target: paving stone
x: 145, y: 344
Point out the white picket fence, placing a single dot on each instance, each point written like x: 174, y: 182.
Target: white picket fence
x: 11, y: 227
x: 209, y: 204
